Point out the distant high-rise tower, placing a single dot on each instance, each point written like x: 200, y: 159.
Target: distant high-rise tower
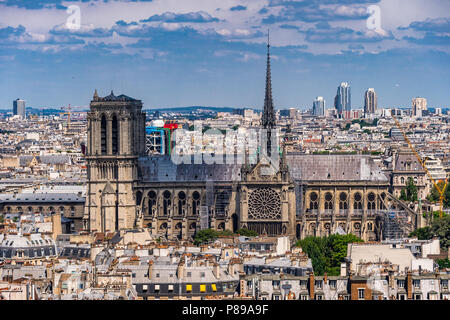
x: 370, y: 101
x: 343, y: 99
x: 418, y: 105
x: 19, y: 107
x: 319, y: 106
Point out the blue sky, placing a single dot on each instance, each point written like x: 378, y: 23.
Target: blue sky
x: 212, y: 52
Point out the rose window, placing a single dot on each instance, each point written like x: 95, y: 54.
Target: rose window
x: 264, y: 203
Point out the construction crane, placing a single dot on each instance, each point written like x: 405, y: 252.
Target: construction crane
x: 68, y: 113
x: 422, y: 163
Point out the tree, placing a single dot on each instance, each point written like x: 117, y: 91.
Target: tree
x: 403, y: 195
x: 439, y: 228
x: 247, y: 233
x: 327, y: 253
x: 375, y: 122
x: 434, y: 194
x: 410, y: 192
x: 422, y: 233
x: 443, y: 263
x: 1, y: 218
x: 208, y: 235
x: 205, y: 236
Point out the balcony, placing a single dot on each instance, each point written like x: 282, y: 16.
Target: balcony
x: 327, y: 213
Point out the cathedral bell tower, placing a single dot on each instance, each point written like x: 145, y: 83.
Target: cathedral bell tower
x: 115, y: 140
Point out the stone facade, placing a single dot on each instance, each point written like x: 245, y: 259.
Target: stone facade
x: 116, y: 138
x: 406, y: 166
x: 306, y: 195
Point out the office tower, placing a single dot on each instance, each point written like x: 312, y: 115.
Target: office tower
x: 290, y: 113
x: 370, y: 101
x: 418, y: 105
x: 342, y: 101
x: 319, y: 106
x: 19, y: 107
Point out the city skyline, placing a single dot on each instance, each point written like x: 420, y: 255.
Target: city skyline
x: 211, y: 54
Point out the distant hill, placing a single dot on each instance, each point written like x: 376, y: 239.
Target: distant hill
x: 194, y: 108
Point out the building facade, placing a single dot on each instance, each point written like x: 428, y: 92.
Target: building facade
x: 418, y: 105
x: 343, y: 99
x: 297, y: 195
x: 19, y: 108
x: 319, y: 106
x: 370, y: 101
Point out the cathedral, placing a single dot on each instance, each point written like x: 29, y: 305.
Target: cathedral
x: 307, y: 195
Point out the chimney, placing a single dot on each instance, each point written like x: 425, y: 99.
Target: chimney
x: 150, y: 269
x: 391, y: 279
x: 409, y: 285
x: 56, y: 225
x: 180, y: 270
x: 216, y: 270
x: 311, y: 286
x: 231, y: 268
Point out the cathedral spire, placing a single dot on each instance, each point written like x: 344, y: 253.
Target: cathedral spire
x: 268, y: 116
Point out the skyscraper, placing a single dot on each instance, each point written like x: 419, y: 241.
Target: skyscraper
x: 370, y: 101
x: 319, y: 106
x: 19, y: 107
x: 343, y: 99
x: 418, y: 105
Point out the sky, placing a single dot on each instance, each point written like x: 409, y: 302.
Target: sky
x: 174, y: 53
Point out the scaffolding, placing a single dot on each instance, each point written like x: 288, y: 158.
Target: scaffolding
x: 396, y: 224
x: 154, y: 141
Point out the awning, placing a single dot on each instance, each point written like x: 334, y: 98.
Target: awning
x: 189, y: 287
x: 202, y: 288
x: 213, y: 286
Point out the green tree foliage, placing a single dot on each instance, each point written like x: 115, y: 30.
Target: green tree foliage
x: 1, y: 218
x: 208, y: 235
x: 409, y: 193
x: 205, y: 236
x: 440, y: 228
x: 327, y: 253
x: 247, y: 233
x: 443, y: 263
x: 434, y: 194
x: 422, y: 233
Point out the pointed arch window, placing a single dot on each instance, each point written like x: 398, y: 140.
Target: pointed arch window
x: 115, y: 135
x: 195, y: 203
x: 103, y: 134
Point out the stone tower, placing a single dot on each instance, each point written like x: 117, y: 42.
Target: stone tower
x: 116, y: 138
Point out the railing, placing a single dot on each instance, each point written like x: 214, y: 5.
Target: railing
x: 343, y: 212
